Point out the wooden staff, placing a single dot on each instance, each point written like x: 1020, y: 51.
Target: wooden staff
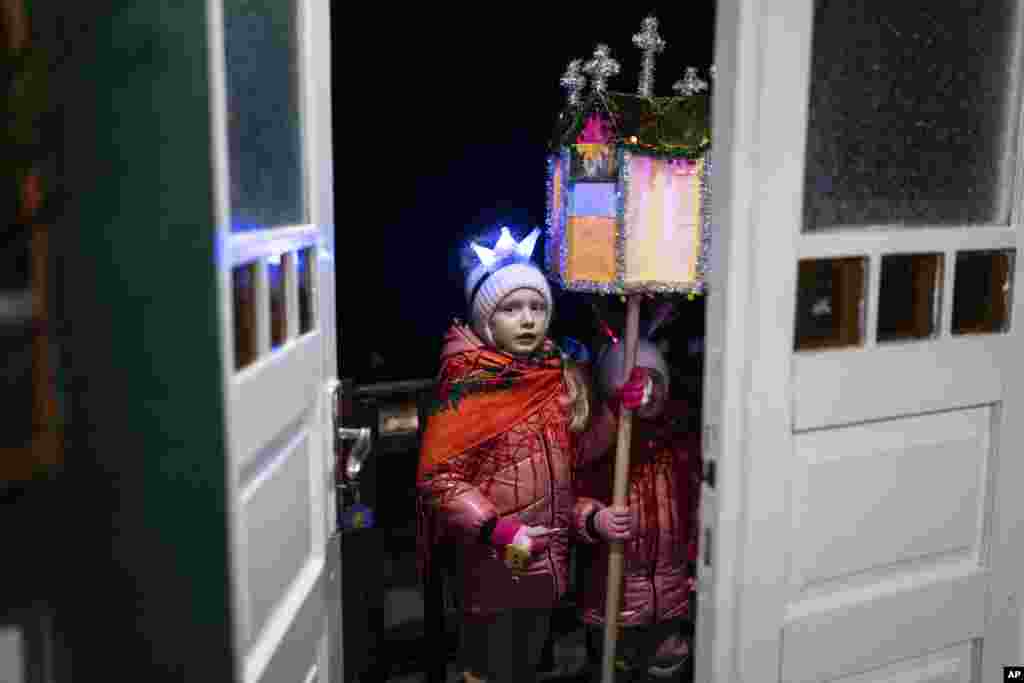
x: 620, y: 495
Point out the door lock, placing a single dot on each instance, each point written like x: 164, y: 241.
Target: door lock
x: 708, y: 476
x: 362, y: 436
x: 360, y: 449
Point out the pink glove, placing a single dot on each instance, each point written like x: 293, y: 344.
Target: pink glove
x: 636, y: 392
x: 615, y: 523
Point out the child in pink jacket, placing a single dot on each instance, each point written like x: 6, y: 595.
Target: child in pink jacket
x: 664, y: 489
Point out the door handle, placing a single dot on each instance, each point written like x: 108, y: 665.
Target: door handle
x: 362, y: 436
x: 360, y: 449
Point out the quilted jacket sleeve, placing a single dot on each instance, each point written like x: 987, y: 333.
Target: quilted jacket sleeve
x: 461, y: 508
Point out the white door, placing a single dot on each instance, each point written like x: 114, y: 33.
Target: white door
x: 270, y: 74
x: 865, y: 395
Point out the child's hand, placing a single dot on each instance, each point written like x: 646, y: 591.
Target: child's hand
x: 518, y: 544
x: 615, y: 523
x: 535, y: 538
x: 636, y: 392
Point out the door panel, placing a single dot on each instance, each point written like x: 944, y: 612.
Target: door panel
x: 884, y: 560
x: 844, y: 387
x: 884, y: 624
x: 292, y: 377
x: 293, y: 653
x: 864, y: 526
x: 855, y: 523
x: 275, y: 509
x: 950, y: 665
x: 272, y: 113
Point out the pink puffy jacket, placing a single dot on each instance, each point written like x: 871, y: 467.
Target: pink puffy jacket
x: 664, y: 489
x: 536, y: 487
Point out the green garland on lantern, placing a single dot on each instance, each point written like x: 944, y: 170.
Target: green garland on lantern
x: 663, y: 127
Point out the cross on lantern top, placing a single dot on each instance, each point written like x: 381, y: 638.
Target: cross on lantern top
x: 601, y: 68
x: 574, y: 81
x: 691, y: 83
x: 651, y: 43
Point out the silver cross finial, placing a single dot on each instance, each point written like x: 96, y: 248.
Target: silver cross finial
x: 651, y: 43
x: 601, y: 68
x: 574, y: 81
x: 691, y: 83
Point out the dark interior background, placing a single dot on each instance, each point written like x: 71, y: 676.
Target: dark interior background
x: 442, y: 120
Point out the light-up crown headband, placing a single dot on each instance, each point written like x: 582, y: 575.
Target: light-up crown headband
x: 505, y: 251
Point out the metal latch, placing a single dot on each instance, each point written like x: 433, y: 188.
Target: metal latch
x: 352, y: 513
x: 709, y: 473
x: 360, y: 449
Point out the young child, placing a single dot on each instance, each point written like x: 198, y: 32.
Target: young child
x: 494, y: 476
x: 664, y: 487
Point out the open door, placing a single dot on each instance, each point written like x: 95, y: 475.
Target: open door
x: 271, y: 113
x: 864, y: 406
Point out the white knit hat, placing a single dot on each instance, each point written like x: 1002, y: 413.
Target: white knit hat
x: 501, y: 271
x: 609, y: 370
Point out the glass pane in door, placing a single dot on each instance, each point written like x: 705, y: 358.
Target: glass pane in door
x: 830, y: 303
x: 909, y: 298
x: 983, y: 291
x: 264, y: 114
x: 910, y: 115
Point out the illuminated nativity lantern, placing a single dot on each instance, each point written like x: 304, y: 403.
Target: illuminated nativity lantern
x: 629, y: 214
x: 628, y: 194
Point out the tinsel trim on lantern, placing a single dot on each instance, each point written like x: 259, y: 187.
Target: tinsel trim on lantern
x: 549, y: 185
x: 558, y: 263
x: 703, y: 260
x: 625, y: 159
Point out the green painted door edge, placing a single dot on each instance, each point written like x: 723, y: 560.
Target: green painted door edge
x: 147, y: 519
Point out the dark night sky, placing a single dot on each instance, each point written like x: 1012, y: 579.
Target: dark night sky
x: 442, y: 118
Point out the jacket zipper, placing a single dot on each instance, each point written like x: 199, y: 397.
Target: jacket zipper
x: 654, y: 595
x: 654, y: 572
x: 551, y: 493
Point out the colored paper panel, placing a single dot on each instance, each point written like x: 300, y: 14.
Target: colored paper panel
x: 663, y: 221
x: 593, y: 162
x: 591, y: 248
x: 593, y: 199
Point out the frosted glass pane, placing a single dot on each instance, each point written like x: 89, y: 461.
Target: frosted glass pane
x: 264, y: 114
x: 908, y: 115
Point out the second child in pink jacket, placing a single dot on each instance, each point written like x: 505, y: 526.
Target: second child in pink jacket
x: 663, y: 494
